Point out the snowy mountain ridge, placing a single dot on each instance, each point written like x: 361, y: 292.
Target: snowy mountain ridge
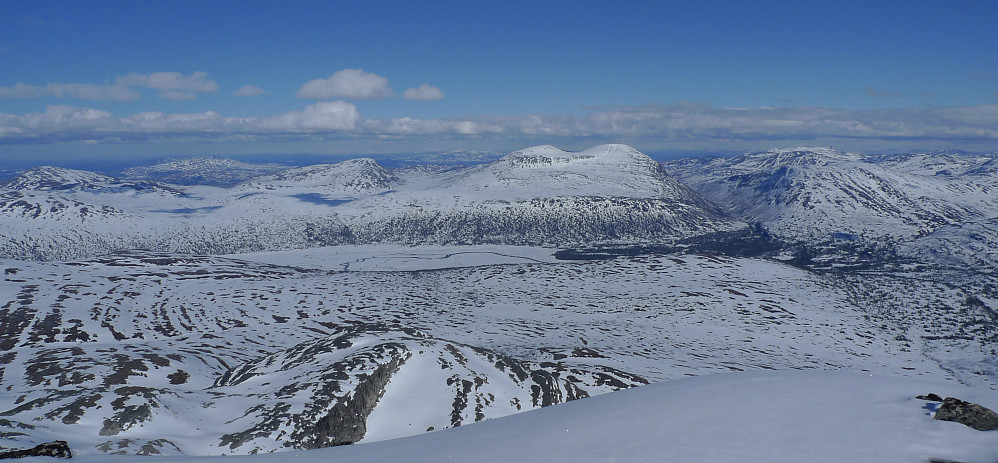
x: 204, y: 170
x: 355, y: 175
x: 818, y: 193
x: 59, y: 179
x: 611, y: 192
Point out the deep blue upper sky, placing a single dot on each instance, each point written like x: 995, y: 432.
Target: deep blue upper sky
x: 134, y: 78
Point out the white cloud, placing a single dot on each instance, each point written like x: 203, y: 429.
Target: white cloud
x: 62, y: 122
x: 326, y: 115
x: 81, y: 91
x: 249, y: 90
x: 354, y: 84
x: 413, y: 126
x: 10, y: 131
x: 171, y: 85
x: 59, y: 117
x: 682, y: 123
x: 425, y: 92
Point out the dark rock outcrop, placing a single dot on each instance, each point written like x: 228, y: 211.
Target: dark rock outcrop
x: 976, y: 416
x: 58, y: 449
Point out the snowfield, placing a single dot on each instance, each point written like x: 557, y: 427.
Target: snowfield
x: 767, y: 417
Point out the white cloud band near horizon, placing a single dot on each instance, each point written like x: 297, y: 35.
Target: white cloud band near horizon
x: 682, y: 122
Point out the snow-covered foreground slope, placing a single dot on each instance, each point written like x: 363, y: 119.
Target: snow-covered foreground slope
x: 537, y: 196
x: 746, y: 417
x: 153, y: 352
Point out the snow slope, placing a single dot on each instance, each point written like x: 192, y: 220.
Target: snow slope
x: 119, y: 352
x: 768, y: 417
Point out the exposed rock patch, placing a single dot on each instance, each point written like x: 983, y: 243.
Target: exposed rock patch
x: 976, y: 416
x: 57, y: 449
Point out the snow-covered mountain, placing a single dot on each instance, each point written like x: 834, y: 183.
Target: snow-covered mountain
x: 538, y: 196
x: 819, y: 193
x: 354, y: 176
x: 606, y: 170
x: 49, y: 178
x: 815, y: 193
x: 58, y: 179
x: 901, y: 204
x: 205, y: 170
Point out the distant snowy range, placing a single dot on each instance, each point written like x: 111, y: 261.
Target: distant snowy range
x: 787, y: 305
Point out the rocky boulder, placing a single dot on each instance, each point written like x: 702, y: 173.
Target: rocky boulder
x: 976, y: 416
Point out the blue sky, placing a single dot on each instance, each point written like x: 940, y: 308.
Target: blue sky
x: 118, y: 78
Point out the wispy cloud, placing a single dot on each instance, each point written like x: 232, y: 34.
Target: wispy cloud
x: 354, y: 84
x: 678, y: 123
x: 878, y: 93
x: 81, y: 91
x: 249, y: 90
x: 425, y: 92
x: 171, y: 85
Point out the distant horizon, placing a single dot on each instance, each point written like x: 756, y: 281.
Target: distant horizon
x: 113, y: 165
